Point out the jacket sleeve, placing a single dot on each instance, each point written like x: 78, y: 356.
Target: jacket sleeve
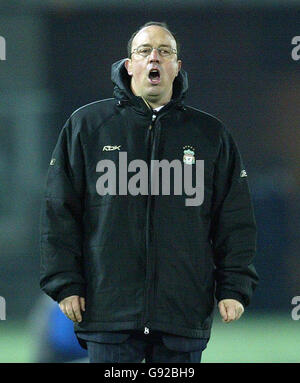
x: 233, y: 228
x: 60, y: 220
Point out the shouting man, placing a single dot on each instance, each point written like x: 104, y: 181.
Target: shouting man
x: 138, y: 273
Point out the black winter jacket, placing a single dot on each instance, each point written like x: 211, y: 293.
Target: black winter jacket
x: 146, y: 261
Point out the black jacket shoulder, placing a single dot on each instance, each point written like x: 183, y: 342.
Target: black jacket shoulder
x: 93, y: 114
x: 211, y: 126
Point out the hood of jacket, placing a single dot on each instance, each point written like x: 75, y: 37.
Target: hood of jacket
x: 123, y: 93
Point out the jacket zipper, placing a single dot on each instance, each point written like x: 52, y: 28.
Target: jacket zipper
x: 147, y: 289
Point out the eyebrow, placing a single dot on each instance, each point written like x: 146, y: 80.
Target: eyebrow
x: 149, y: 45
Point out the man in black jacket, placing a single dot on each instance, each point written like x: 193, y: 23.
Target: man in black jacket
x: 138, y: 273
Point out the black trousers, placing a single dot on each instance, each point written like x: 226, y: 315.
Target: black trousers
x: 156, y: 348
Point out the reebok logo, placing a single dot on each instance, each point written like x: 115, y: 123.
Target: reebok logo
x: 108, y: 148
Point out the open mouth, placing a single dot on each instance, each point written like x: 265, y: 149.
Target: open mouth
x: 154, y: 76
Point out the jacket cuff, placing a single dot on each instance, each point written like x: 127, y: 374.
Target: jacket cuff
x: 229, y: 294
x: 74, y: 289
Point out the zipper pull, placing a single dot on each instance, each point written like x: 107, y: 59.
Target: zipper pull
x: 153, y: 119
x: 146, y: 330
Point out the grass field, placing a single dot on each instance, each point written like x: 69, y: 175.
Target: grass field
x: 255, y: 338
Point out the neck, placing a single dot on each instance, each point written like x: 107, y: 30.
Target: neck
x: 155, y: 104
x: 150, y: 102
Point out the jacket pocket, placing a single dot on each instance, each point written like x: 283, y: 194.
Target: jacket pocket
x: 114, y: 284
x: 180, y: 295
x: 113, y: 305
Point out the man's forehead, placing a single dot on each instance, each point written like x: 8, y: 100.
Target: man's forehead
x: 156, y: 34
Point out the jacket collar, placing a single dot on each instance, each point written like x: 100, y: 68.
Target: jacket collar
x: 123, y: 93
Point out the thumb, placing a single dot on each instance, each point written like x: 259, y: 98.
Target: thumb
x: 82, y: 303
x: 223, y: 310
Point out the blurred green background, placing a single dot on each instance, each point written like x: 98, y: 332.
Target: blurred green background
x: 255, y: 338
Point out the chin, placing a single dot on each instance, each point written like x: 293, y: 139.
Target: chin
x: 155, y: 91
x: 153, y: 97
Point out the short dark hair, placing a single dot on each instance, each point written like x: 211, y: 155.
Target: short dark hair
x: 160, y: 24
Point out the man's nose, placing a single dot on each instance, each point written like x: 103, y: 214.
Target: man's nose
x: 154, y: 55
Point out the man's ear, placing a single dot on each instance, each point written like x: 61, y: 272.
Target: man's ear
x: 128, y: 66
x: 179, y: 63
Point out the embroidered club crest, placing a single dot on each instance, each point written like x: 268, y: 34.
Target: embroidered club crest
x: 188, y: 155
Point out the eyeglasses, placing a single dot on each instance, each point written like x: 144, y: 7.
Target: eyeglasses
x: 146, y: 51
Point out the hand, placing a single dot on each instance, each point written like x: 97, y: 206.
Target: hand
x: 230, y: 310
x: 72, y: 306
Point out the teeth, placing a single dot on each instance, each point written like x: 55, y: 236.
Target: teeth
x: 154, y: 74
